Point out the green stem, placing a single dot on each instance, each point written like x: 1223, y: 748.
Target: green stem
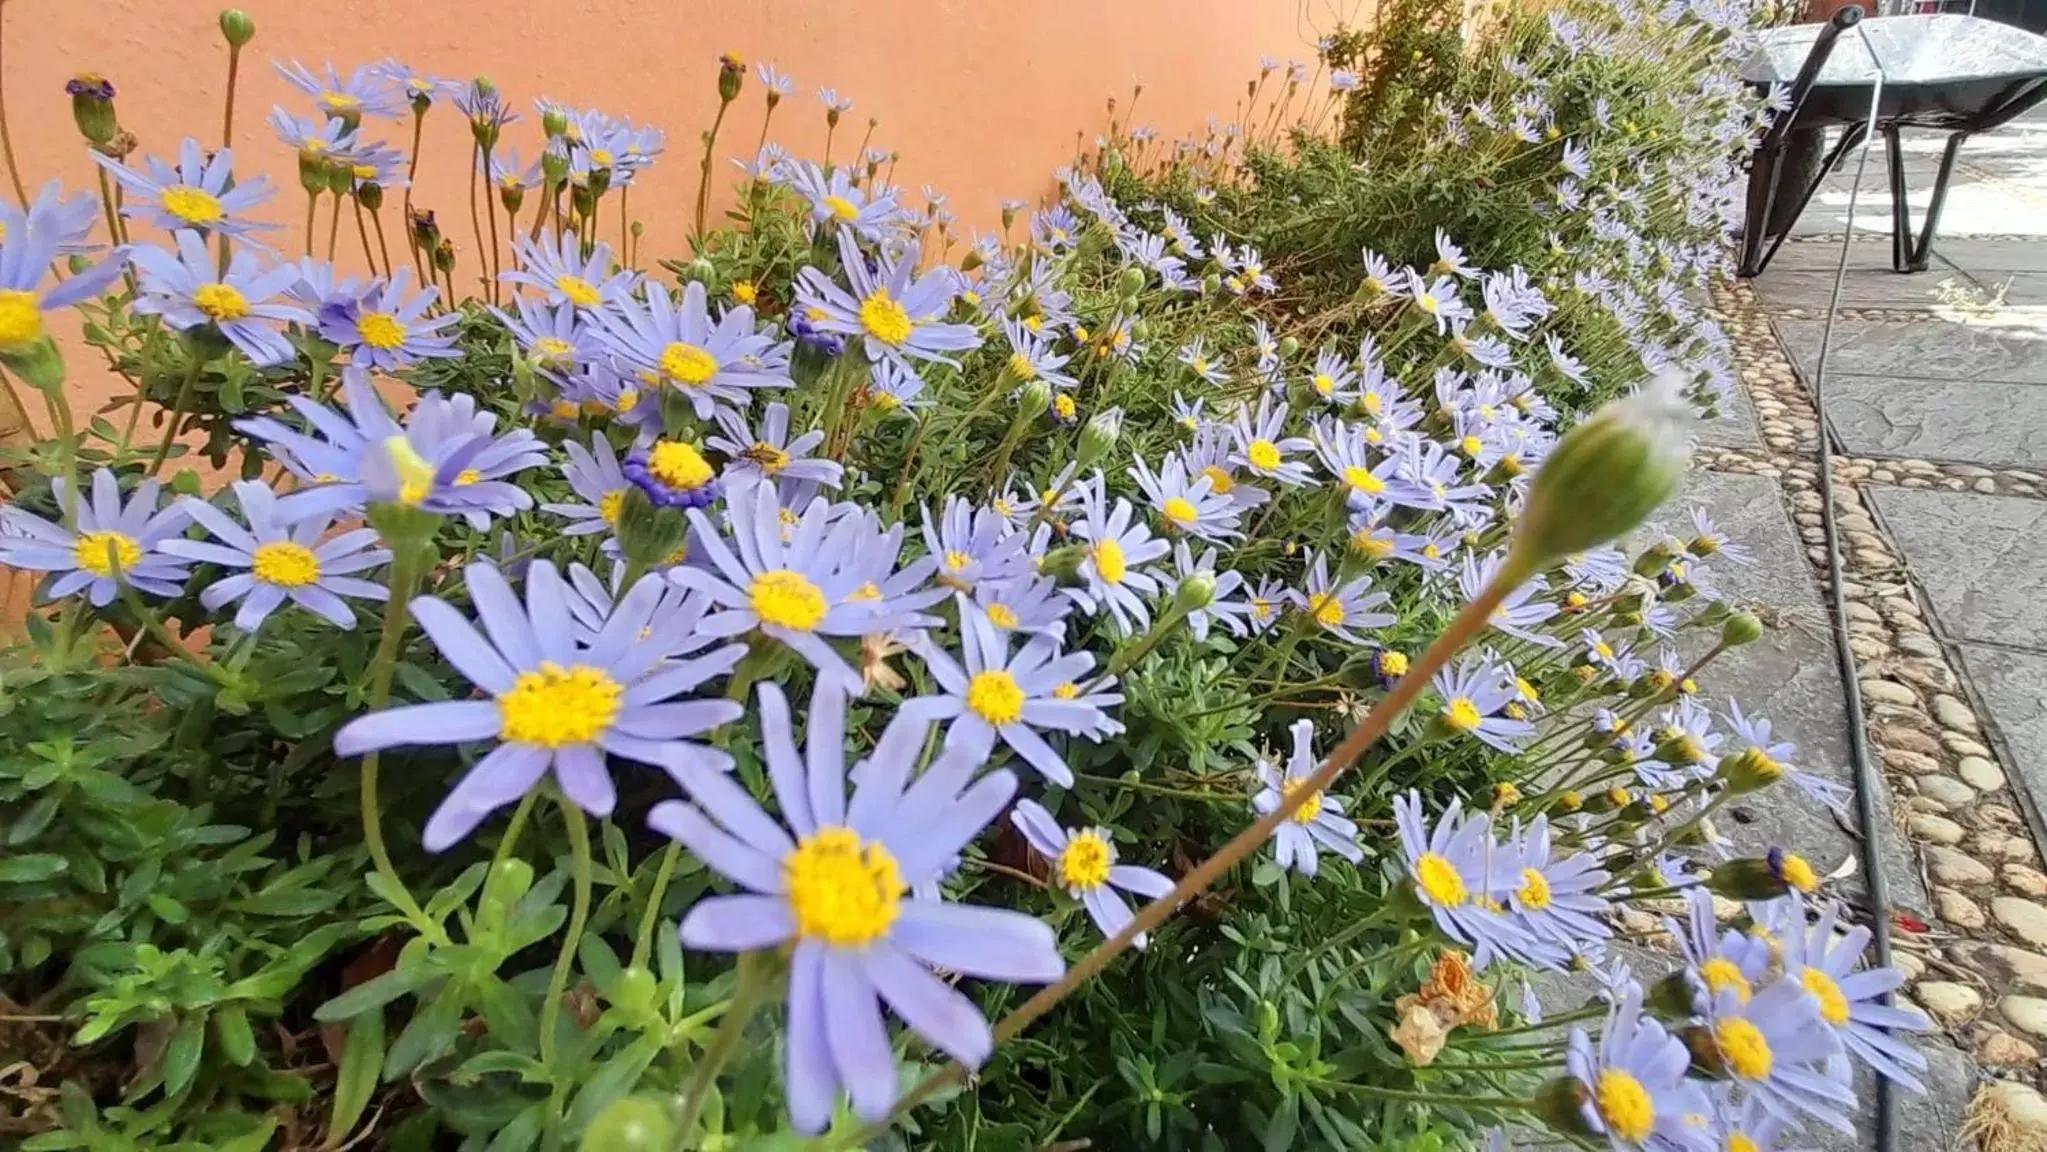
x: 643, y: 940
x: 7, y: 138
x: 405, y: 575
x: 227, y: 118
x: 517, y: 825
x: 1488, y: 1103
x: 746, y: 996
x: 579, y: 915
x: 704, y: 177
x: 312, y: 212
x: 178, y: 409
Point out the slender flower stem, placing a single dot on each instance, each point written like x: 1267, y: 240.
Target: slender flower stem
x: 490, y: 211
x: 517, y: 825
x: 333, y: 225
x: 157, y: 632
x: 1488, y: 1103
x: 383, y: 246
x: 579, y: 915
x: 362, y: 229
x: 704, y: 176
x: 476, y: 224
x: 7, y: 137
x: 312, y: 210
x: 405, y: 575
x: 643, y: 940
x: 67, y: 449
x: 746, y: 996
x: 178, y: 408
x: 227, y: 117
x: 550, y: 194
x: 1469, y: 623
x: 625, y: 223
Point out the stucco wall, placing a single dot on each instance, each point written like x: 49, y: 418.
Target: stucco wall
x: 982, y: 98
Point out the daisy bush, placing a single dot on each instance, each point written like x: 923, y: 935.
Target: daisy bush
x: 1166, y: 671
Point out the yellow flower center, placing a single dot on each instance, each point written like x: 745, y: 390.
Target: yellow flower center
x: 1739, y: 1142
x: 1067, y: 691
x: 339, y: 101
x: 1263, y: 455
x: 884, y: 319
x: 628, y: 399
x: 1440, y: 881
x: 1393, y: 664
x: 1471, y: 446
x: 1373, y: 404
x: 1200, y: 365
x: 1368, y: 543
x: 579, y: 291
x: 610, y: 505
x: 415, y: 475
x: 771, y: 459
x: 466, y: 477
x: 1002, y: 616
x: 1721, y: 974
x: 1064, y: 405
x: 21, y: 319
x: 842, y: 208
x: 744, y: 291
x: 1534, y: 894
x: 221, y: 302
x: 381, y: 330
x: 1462, y: 715
x: 602, y: 158
x: 842, y: 890
x: 192, y: 205
x: 1427, y: 303
x: 1744, y: 1048
x: 688, y: 365
x: 996, y: 697
x: 1085, y: 862
x: 1325, y: 384
x: 1219, y: 482
x: 1799, y: 874
x: 1833, y: 1004
x: 96, y: 552
x: 558, y: 707
x: 285, y: 564
x: 1020, y: 366
x: 553, y: 349
x: 679, y: 466
x: 867, y: 593
x: 565, y: 411
x: 1262, y: 609
x: 1180, y: 510
x: 1363, y: 480
x: 788, y: 600
x: 1625, y: 1106
x: 1327, y: 610
x: 1310, y: 808
x: 1109, y: 564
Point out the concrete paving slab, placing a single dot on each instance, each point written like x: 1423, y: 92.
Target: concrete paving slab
x: 2009, y: 346
x: 1735, y: 427
x: 2013, y: 688
x: 1974, y: 207
x: 1813, y: 290
x: 1791, y: 677
x: 1981, y: 560
x: 1977, y: 423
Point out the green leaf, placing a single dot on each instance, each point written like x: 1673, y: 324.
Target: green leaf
x: 522, y: 1133
x: 600, y: 963
x: 1284, y: 1125
x: 254, y: 1140
x: 375, y: 992
x: 510, y: 1018
x: 33, y: 820
x: 362, y: 1058
x: 287, y: 902
x: 231, y: 1028
x: 420, y: 683
x: 428, y: 1034
x: 484, y: 1063
x: 181, y: 1055
x: 34, y: 866
x: 616, y: 1078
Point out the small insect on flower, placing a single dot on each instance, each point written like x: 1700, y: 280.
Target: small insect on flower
x: 554, y: 702
x: 1083, y: 862
x: 1318, y: 823
x: 769, y: 453
x: 115, y: 542
x: 283, y: 555
x: 836, y: 883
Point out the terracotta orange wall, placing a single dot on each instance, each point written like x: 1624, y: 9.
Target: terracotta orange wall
x: 981, y: 97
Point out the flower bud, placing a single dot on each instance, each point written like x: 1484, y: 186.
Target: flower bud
x: 1607, y: 474
x: 649, y: 533
x: 444, y: 256
x: 1763, y: 878
x: 700, y: 271
x: 507, y: 883
x: 1099, y: 436
x: 1131, y: 282
x: 633, y: 1124
x: 1676, y: 996
x: 554, y: 121
x: 1288, y: 347
x: 1561, y: 1104
x: 92, y: 107
x: 1063, y: 564
x: 635, y: 989
x: 38, y: 361
x: 236, y: 27
x: 1035, y: 397
x: 1211, y: 284
x: 425, y: 232
x: 554, y: 167
x: 1741, y: 628
x: 1195, y: 592
x: 370, y: 194
x: 731, y: 73
x: 1749, y: 770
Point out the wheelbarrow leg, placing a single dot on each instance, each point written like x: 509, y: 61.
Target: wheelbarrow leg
x: 1901, y: 211
x: 1922, y: 248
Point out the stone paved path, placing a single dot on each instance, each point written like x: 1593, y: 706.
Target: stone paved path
x: 1936, y: 394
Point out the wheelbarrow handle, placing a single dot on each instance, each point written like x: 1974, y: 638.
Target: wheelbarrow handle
x: 1809, y: 74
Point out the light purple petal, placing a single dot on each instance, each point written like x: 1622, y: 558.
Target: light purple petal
x: 737, y: 923
x: 932, y: 1008
x: 991, y: 943
x: 853, y: 1030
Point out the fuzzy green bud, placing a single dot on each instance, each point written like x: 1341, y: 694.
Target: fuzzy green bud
x: 425, y: 232
x: 1289, y: 346
x: 312, y: 171
x: 1063, y: 564
x: 554, y: 121
x: 39, y: 362
x: 92, y: 107
x: 971, y: 260
x: 236, y: 27
x: 635, y: 989
x: 1099, y: 436
x: 647, y: 533
x: 1034, y: 398
x: 700, y: 271
x: 554, y: 167
x: 1763, y: 877
x: 340, y: 177
x: 731, y: 74
x: 1211, y: 284
x: 1607, y: 475
x: 633, y: 1124
x: 1131, y: 282
x: 444, y: 256
x: 1741, y: 628
x: 507, y: 883
x: 370, y: 194
x: 1195, y: 592
x: 1561, y: 1104
x: 1675, y: 997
